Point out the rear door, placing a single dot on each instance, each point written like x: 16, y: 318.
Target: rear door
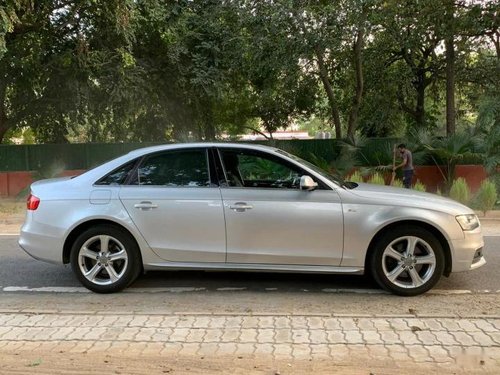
x: 176, y: 207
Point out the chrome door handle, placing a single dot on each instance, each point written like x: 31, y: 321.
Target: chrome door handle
x: 240, y: 206
x: 145, y: 205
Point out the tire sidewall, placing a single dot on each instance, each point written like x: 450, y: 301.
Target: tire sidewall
x: 377, y: 259
x: 131, y: 248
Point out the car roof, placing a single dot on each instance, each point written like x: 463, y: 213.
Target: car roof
x: 173, y: 146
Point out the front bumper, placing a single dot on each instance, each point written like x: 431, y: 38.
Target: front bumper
x: 467, y: 253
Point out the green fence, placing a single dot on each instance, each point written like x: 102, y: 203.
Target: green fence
x: 85, y: 156
x: 70, y: 156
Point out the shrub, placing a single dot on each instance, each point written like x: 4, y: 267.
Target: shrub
x: 377, y: 179
x: 460, y: 191
x: 419, y: 186
x: 486, y: 196
x: 397, y: 183
x: 356, y: 177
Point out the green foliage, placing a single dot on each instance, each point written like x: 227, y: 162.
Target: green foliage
x: 460, y: 191
x: 452, y: 150
x: 377, y: 153
x: 486, y: 196
x: 8, y: 18
x: 113, y: 71
x: 319, y: 162
x: 356, y: 177
x: 343, y: 161
x: 419, y: 186
x: 377, y: 179
x: 397, y: 183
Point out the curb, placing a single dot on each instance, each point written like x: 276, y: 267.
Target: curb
x: 248, y: 314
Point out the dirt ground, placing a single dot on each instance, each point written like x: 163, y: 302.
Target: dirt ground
x: 46, y: 362
x: 11, y: 214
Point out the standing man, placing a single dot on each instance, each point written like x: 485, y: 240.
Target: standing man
x: 407, y: 165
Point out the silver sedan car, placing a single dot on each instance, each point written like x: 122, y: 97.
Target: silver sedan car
x: 238, y: 207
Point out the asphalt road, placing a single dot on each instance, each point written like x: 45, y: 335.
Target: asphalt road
x: 17, y: 269
x: 30, y: 285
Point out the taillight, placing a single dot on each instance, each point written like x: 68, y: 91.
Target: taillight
x: 32, y: 202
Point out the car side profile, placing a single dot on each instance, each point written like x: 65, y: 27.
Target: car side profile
x: 240, y: 207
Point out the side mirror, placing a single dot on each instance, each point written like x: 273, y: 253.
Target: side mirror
x: 307, y: 183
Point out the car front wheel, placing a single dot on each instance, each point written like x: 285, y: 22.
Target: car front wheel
x: 105, y: 259
x: 407, y: 261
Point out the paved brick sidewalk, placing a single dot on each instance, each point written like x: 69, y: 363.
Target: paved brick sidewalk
x: 400, y: 342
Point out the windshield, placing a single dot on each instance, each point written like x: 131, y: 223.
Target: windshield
x: 336, y: 179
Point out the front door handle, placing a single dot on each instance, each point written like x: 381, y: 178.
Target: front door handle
x: 240, y: 206
x: 145, y: 206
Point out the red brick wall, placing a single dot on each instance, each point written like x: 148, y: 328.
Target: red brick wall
x: 12, y: 183
x: 473, y: 174
x: 432, y: 177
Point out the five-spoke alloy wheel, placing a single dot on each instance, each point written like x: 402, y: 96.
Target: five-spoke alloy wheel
x: 407, y: 261
x: 105, y: 259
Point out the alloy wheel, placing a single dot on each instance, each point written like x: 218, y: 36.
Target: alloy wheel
x: 408, y: 262
x: 103, y: 260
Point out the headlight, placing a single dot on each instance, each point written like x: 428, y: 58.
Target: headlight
x: 468, y: 222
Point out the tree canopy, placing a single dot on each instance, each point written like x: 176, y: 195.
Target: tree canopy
x: 151, y: 70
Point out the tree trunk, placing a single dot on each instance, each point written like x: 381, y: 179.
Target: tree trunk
x: 450, y: 86
x: 3, y: 114
x: 323, y: 73
x: 358, y: 66
x: 3, y: 129
x: 208, y: 125
x: 420, y: 104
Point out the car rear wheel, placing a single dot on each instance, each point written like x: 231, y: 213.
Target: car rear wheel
x: 105, y: 259
x: 407, y: 261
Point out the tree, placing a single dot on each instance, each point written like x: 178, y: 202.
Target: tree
x: 335, y: 40
x: 412, y: 36
x: 450, y: 67
x: 148, y: 70
x: 59, y: 59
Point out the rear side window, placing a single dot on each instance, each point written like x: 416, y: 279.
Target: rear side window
x: 118, y: 176
x: 174, y: 169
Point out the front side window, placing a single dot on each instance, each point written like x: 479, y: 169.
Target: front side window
x: 256, y: 169
x: 184, y: 168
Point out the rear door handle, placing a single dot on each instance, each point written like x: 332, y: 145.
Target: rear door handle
x: 240, y: 206
x: 145, y: 206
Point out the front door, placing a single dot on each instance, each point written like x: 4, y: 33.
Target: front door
x: 269, y: 220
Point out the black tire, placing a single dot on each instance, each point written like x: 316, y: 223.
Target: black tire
x: 383, y: 264
x: 126, y: 266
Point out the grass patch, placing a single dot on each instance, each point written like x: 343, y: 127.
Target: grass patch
x: 10, y: 206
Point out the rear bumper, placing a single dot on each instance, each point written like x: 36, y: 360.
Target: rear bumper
x: 42, y: 242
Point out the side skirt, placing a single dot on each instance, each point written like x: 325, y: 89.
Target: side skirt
x: 244, y: 267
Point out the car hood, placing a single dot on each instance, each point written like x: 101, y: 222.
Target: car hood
x: 395, y: 196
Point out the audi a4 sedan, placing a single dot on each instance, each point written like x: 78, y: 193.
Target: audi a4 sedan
x: 238, y: 207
